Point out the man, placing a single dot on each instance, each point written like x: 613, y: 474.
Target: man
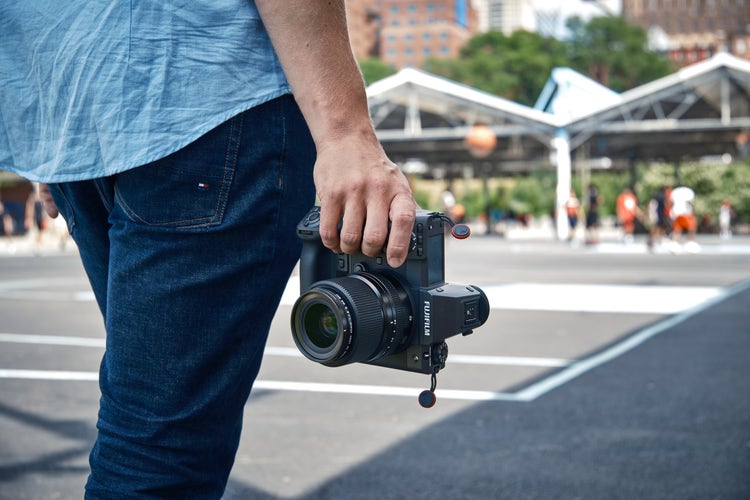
x: 658, y: 215
x: 627, y: 210
x: 181, y: 162
x: 572, y: 209
x: 594, y: 201
x: 683, y: 218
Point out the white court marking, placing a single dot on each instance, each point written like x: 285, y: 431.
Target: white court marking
x: 290, y: 352
x: 632, y: 299
x: 693, y: 301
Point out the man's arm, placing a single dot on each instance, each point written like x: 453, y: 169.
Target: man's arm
x: 353, y: 176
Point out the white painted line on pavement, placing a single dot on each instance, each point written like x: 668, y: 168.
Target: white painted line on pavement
x: 631, y: 299
x: 290, y: 352
x: 467, y: 359
x: 470, y: 359
x: 577, y: 369
x: 272, y: 385
x: 530, y: 393
x: 379, y: 390
x: 20, y: 338
x: 66, y: 376
x: 566, y: 297
x: 570, y: 297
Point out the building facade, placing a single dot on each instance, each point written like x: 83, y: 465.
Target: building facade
x: 508, y: 16
x: 692, y: 30
x: 408, y: 33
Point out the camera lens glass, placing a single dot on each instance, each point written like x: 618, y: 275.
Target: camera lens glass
x: 359, y: 317
x: 321, y: 325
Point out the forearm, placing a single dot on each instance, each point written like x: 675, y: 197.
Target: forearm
x: 311, y: 41
x: 355, y: 181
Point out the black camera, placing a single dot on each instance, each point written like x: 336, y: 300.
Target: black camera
x: 355, y: 308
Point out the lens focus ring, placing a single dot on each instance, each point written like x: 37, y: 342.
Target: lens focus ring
x: 359, y: 317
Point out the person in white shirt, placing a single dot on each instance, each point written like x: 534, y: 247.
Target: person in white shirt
x: 683, y: 218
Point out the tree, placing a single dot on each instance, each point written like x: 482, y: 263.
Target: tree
x: 515, y: 67
x: 374, y: 69
x: 614, y: 53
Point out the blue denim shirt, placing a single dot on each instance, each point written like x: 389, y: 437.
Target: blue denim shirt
x: 92, y: 88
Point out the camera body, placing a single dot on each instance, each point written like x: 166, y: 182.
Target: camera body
x: 355, y: 308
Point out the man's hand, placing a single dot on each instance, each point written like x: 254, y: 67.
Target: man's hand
x: 353, y: 176
x: 357, y: 181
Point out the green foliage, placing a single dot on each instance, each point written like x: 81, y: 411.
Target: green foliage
x: 712, y: 184
x: 614, y: 53
x: 533, y: 195
x: 515, y: 67
x: 373, y: 69
x: 422, y: 198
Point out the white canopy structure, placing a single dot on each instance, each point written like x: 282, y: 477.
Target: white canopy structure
x: 698, y: 111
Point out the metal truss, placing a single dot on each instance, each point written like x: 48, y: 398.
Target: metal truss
x: 695, y: 112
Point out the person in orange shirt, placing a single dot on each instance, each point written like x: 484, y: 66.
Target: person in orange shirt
x: 627, y: 211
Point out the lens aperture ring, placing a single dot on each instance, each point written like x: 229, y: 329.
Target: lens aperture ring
x: 396, y: 309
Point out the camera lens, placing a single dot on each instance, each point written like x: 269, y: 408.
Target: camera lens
x: 321, y: 325
x: 356, y: 318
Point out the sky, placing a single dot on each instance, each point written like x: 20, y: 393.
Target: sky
x: 571, y: 8
x: 580, y: 8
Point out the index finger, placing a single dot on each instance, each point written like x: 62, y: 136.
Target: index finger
x: 402, y: 214
x: 330, y: 215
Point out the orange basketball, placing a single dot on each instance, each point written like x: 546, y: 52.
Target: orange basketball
x: 481, y: 141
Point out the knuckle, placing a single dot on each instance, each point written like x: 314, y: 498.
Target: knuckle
x: 349, y: 239
x: 403, y: 218
x: 373, y: 240
x: 329, y: 238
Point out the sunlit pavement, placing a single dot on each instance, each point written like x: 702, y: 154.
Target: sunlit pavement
x: 603, y: 372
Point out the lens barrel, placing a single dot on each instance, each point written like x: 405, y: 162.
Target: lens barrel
x: 356, y: 318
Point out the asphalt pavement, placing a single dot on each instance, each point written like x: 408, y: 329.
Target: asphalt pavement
x: 604, y: 372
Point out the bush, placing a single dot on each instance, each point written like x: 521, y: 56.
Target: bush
x: 712, y: 184
x: 533, y: 195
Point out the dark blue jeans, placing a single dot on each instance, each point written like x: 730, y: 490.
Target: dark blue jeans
x: 188, y: 257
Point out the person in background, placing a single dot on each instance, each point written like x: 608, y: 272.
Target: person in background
x: 35, y: 217
x: 658, y: 216
x: 593, y: 203
x: 726, y: 214
x: 627, y: 210
x: 182, y: 143
x: 683, y: 218
x: 6, y: 220
x: 572, y: 210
